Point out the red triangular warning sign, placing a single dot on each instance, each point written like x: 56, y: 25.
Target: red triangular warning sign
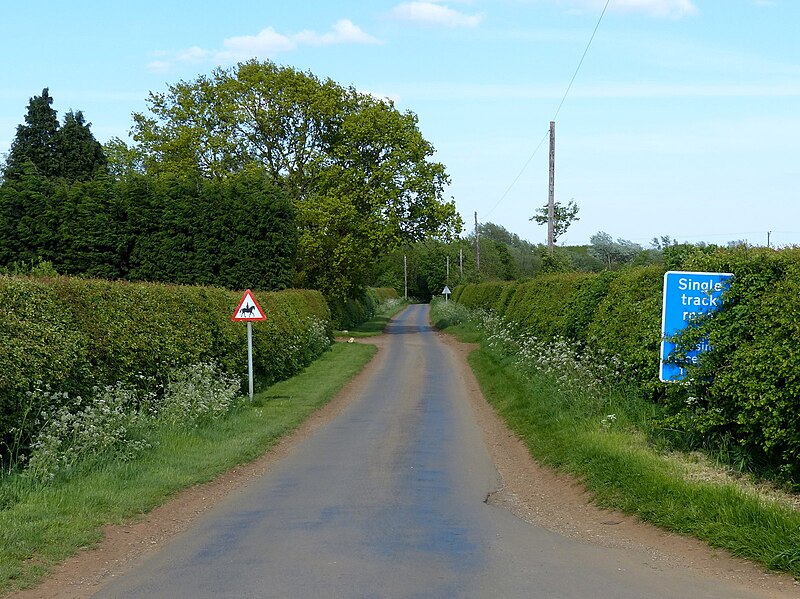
x: 248, y: 309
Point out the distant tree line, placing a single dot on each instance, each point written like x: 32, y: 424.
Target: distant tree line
x: 504, y: 256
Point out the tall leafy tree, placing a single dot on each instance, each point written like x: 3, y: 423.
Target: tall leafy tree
x: 36, y: 140
x: 358, y: 171
x: 122, y: 159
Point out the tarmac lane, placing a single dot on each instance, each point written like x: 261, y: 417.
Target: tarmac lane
x: 388, y: 500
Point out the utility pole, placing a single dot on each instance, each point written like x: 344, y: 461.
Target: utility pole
x: 448, y: 270
x: 768, y: 235
x: 461, y: 262
x: 477, y: 246
x: 551, y: 194
x: 405, y: 277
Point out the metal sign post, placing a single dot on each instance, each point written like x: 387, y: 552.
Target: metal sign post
x: 249, y: 311
x: 446, y: 292
x: 250, y: 358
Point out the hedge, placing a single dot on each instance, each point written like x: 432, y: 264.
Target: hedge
x: 173, y: 229
x: 748, y: 388
x: 745, y: 392
x: 72, y: 334
x: 627, y: 323
x: 539, y: 306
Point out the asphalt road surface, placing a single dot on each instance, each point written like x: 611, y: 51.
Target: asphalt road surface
x: 388, y: 500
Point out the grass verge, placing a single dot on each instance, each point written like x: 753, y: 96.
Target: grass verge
x: 43, y: 524
x: 625, y: 472
x: 375, y: 325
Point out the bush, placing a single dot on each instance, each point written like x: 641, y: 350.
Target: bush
x: 446, y: 314
x: 386, y: 293
x: 72, y: 431
x: 41, y: 344
x: 197, y: 394
x: 582, y: 306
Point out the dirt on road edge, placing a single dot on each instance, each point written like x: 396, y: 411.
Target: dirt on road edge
x: 532, y: 492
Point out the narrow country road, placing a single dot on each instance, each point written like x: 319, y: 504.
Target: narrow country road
x: 388, y: 500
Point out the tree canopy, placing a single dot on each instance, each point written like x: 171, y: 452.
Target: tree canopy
x: 563, y: 217
x: 358, y: 171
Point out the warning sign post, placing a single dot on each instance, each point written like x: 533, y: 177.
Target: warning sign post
x: 249, y: 311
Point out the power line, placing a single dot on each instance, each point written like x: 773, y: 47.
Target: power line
x: 503, y: 197
x: 585, y: 52
x: 563, y: 99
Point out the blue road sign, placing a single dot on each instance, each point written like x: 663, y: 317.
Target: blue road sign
x: 687, y: 295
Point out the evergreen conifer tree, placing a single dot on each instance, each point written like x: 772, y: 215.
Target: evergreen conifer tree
x: 36, y: 140
x: 80, y: 155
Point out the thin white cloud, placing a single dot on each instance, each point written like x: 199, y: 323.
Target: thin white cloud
x: 665, y: 9
x: 430, y: 13
x: 193, y: 55
x: 266, y: 44
x: 344, y: 32
x: 159, y: 66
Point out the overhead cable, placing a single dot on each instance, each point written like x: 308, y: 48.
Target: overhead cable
x: 558, y: 110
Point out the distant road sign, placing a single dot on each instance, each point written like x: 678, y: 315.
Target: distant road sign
x: 248, y: 309
x: 446, y: 290
x: 687, y: 295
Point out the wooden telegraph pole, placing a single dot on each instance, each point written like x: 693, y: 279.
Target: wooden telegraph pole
x: 477, y: 246
x: 405, y: 277
x: 551, y: 203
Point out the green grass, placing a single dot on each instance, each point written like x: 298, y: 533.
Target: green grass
x: 375, y: 325
x: 625, y: 472
x: 41, y: 525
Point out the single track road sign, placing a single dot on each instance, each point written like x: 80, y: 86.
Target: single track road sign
x: 687, y: 295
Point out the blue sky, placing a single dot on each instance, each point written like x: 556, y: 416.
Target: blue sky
x: 684, y: 119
